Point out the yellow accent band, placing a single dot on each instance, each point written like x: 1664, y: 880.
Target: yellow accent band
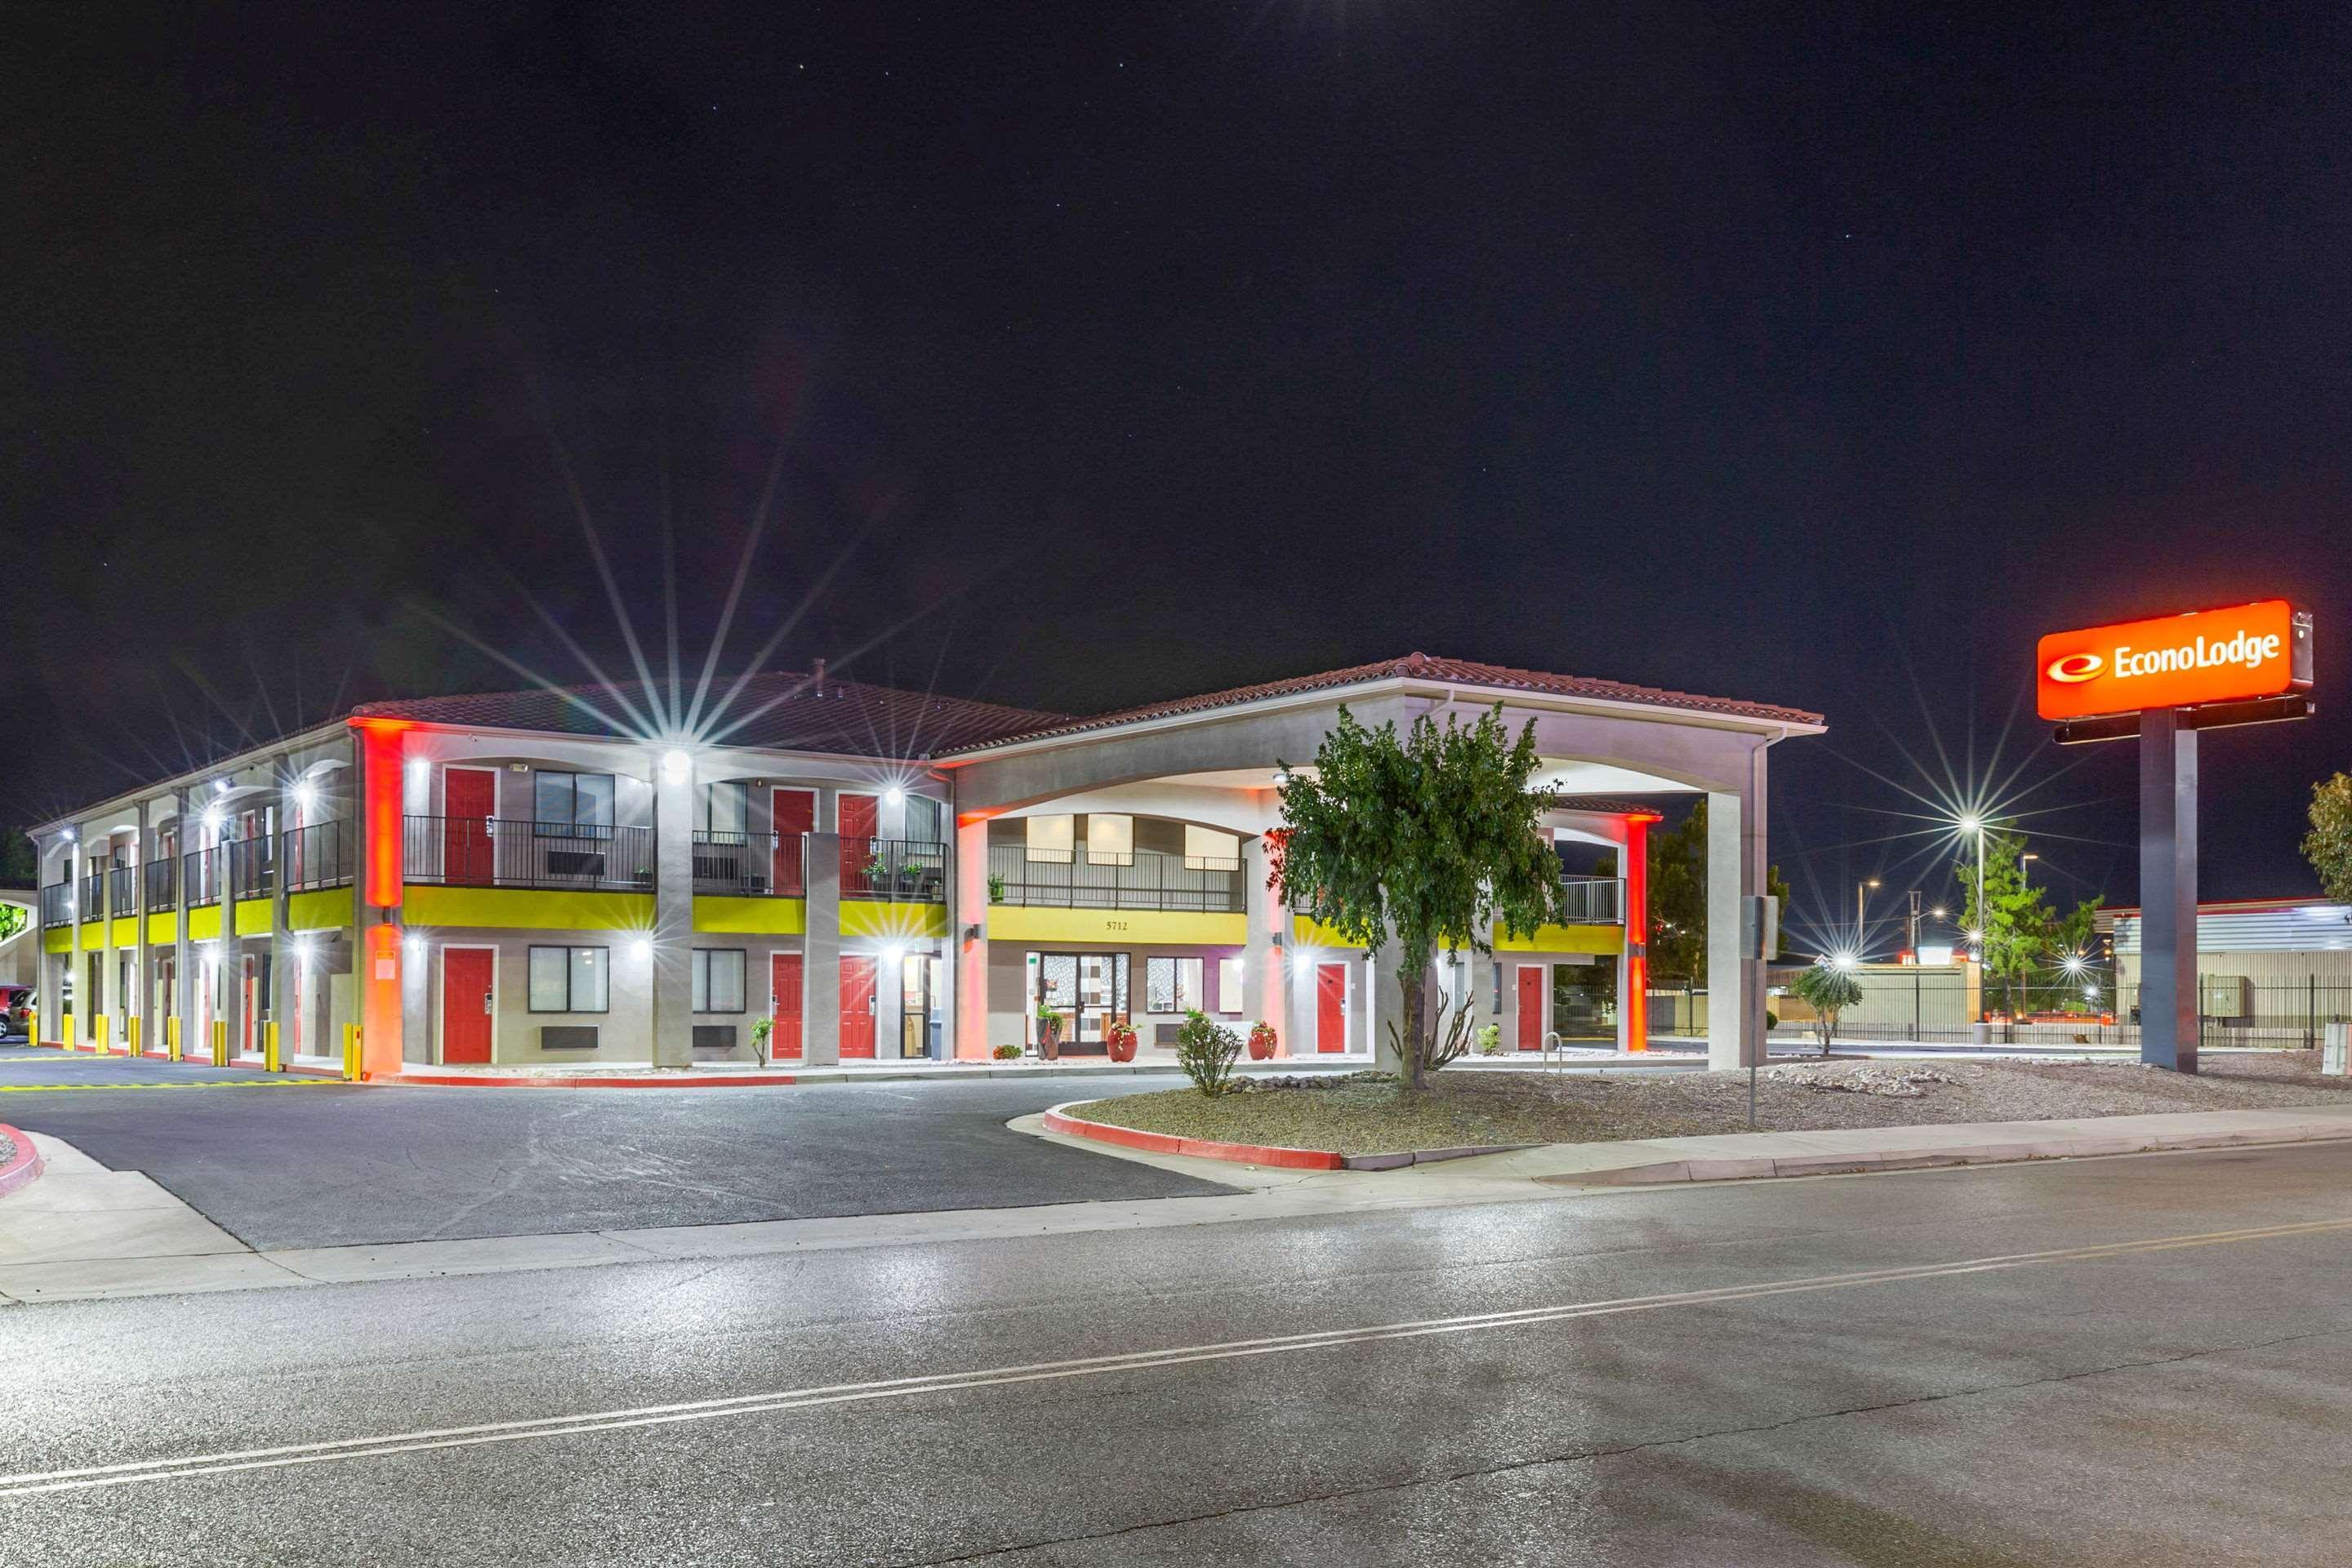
x: 93, y: 935
x: 58, y: 939
x: 751, y: 917
x: 1563, y: 939
x: 203, y: 924
x: 323, y: 909
x: 1028, y: 922
x: 123, y: 931
x: 865, y: 917
x: 516, y: 909
x: 163, y: 927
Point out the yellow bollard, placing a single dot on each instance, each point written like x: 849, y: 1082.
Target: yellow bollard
x: 172, y: 1035
x: 105, y: 1032
x: 33, y: 1027
x: 65, y: 1041
x: 270, y: 1047
x: 350, y: 1052
x: 135, y: 1037
x: 220, y: 1042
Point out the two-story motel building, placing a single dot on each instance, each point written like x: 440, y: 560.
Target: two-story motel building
x: 515, y: 880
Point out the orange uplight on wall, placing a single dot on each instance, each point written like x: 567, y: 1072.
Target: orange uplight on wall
x: 2175, y: 661
x: 382, y: 748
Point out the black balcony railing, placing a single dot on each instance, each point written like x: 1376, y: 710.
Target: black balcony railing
x: 89, y: 902
x: 502, y: 852
x: 122, y: 889
x: 200, y: 869
x: 252, y: 867
x: 315, y: 856
x: 751, y: 865
x: 902, y: 868
x: 162, y: 883
x: 56, y: 904
x: 1594, y: 900
x: 1146, y: 879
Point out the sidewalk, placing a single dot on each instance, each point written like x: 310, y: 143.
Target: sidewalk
x: 83, y: 1232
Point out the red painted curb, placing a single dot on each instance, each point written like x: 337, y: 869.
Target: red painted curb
x: 24, y: 1167
x: 1058, y: 1120
x: 453, y: 1080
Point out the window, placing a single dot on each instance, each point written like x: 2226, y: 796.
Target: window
x: 1206, y: 849
x: 922, y: 824
x: 722, y: 808
x: 573, y: 805
x: 570, y: 980
x: 1229, y: 986
x: 1171, y: 985
x: 1110, y: 840
x: 1049, y: 840
x: 718, y: 980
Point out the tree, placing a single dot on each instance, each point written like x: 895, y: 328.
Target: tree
x: 1678, y: 898
x: 1828, y: 991
x: 19, y: 864
x: 2023, y: 934
x: 1426, y: 841
x: 2328, y: 845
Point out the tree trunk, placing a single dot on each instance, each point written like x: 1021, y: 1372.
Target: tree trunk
x: 1410, y: 1037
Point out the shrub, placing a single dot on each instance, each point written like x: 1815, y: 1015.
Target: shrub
x: 1206, y: 1051
x: 1490, y: 1040
x: 1006, y: 1053
x: 760, y: 1029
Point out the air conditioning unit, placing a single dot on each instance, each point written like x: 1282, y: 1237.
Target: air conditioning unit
x: 567, y: 1037
x: 2226, y: 997
x: 714, y: 1036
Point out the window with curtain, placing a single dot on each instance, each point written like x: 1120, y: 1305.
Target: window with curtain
x: 923, y: 820
x: 1110, y: 839
x: 719, y: 979
x: 723, y: 807
x: 1050, y: 839
x: 573, y: 805
x: 1229, y: 986
x: 570, y: 980
x: 1206, y: 849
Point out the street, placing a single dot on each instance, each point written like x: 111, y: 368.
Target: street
x: 2174, y: 1394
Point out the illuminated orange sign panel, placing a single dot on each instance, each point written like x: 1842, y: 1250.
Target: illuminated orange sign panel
x: 2175, y: 661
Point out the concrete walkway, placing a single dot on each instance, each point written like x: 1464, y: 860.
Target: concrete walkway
x: 84, y: 1232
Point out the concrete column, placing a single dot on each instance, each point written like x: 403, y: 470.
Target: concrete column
x: 150, y: 1029
x: 2168, y: 1006
x: 1266, y: 962
x: 673, y: 958
x: 184, y: 981
x: 110, y: 978
x: 967, y: 965
x: 283, y: 948
x: 1735, y: 870
x: 391, y: 1028
x: 230, y: 971
x: 74, y: 962
x: 821, y: 968
x: 1633, y: 962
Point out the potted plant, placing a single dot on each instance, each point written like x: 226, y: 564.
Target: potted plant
x: 1049, y: 1033
x: 760, y: 1029
x: 1008, y: 1052
x: 1261, y: 1040
x: 1119, y: 1040
x: 995, y: 889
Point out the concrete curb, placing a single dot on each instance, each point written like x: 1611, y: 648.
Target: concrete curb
x: 24, y: 1167
x: 1059, y: 1119
x: 688, y: 1079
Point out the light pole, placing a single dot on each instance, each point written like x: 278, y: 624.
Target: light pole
x: 1912, y: 940
x: 2021, y: 860
x: 1976, y: 825
x: 1860, y: 891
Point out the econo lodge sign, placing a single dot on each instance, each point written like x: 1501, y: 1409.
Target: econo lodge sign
x: 2175, y: 661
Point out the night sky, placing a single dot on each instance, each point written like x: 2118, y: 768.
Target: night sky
x: 1102, y: 352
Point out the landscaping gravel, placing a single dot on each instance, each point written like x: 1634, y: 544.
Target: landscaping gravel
x: 1364, y: 1117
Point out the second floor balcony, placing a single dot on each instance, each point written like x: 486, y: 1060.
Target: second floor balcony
x: 252, y: 867
x: 513, y: 852
x: 122, y: 889
x: 751, y: 865
x: 199, y: 871
x: 57, y: 904
x: 316, y: 856
x: 89, y: 897
x: 1594, y: 900
x: 908, y: 869
x: 162, y: 884
x: 1146, y: 879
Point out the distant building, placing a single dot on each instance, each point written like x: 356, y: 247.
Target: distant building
x: 2271, y: 961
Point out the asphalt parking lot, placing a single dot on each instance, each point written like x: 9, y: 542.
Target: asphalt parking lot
x: 282, y: 1162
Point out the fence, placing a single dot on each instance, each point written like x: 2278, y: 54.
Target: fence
x: 1146, y: 879
x: 486, y: 852
x: 903, y: 869
x: 750, y: 865
x: 1933, y: 1008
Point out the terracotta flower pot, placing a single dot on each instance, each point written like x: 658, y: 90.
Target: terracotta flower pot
x: 1119, y: 1040
x: 1261, y: 1043
x: 1049, y: 1042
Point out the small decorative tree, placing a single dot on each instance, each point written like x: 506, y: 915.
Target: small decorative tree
x: 2328, y: 845
x: 1206, y: 1051
x: 1426, y: 841
x: 760, y: 1029
x: 1828, y: 991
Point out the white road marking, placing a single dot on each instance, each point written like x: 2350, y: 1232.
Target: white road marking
x: 385, y: 1445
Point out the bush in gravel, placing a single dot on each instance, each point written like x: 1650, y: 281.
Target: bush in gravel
x: 1828, y: 991
x: 1206, y: 1051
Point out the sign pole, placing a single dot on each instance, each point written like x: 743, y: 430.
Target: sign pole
x: 2169, y: 1009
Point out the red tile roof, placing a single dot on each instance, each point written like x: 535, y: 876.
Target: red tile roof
x: 1420, y: 667
x: 779, y: 709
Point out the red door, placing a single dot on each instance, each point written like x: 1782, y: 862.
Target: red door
x: 468, y: 801
x: 1330, y: 1006
x: 1534, y: 981
x: 859, y: 817
x: 784, y: 985
x: 857, y: 1007
x: 792, y: 811
x: 466, y: 1003
x: 246, y: 1019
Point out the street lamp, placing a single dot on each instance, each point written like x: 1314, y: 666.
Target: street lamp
x: 1860, y: 891
x: 2021, y: 860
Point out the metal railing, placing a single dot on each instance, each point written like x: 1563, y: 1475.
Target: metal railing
x: 252, y: 867
x: 89, y: 902
x: 900, y: 868
x: 56, y: 904
x: 315, y: 856
x: 162, y: 884
x: 1146, y: 879
x: 511, y: 852
x: 751, y: 865
x: 122, y: 889
x: 1594, y: 900
x: 199, y: 871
